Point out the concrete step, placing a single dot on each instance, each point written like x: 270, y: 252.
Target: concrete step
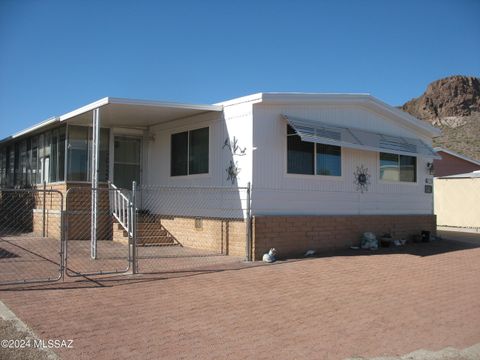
x: 141, y: 226
x: 155, y: 240
x: 151, y: 232
x: 148, y: 225
x: 144, y: 232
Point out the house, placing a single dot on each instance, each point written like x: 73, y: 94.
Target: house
x: 323, y: 168
x: 452, y: 163
x: 456, y: 201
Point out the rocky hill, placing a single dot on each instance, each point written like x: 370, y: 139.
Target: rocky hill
x: 453, y: 105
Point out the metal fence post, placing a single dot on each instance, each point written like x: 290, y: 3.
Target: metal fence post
x: 133, y: 219
x: 44, y: 207
x: 62, y: 238
x: 248, y: 248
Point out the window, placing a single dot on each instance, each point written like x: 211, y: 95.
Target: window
x: 61, y: 154
x: 3, y: 167
x: 395, y: 167
x: 34, y: 159
x: 189, y: 152
x: 329, y: 160
x: 310, y: 158
x: 10, y: 166
x: 179, y: 157
x: 80, y: 153
x: 77, y: 153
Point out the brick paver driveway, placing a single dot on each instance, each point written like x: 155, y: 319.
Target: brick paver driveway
x: 388, y: 302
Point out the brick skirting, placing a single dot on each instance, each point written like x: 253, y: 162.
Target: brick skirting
x: 221, y: 236
x: 292, y: 236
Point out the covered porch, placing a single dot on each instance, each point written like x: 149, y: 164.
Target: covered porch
x: 108, y: 140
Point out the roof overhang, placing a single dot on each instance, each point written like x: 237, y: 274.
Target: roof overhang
x: 117, y: 112
x: 41, y: 125
x: 324, y: 133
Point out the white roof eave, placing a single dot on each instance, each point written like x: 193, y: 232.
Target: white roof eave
x: 151, y: 103
x: 110, y: 100
x: 31, y: 129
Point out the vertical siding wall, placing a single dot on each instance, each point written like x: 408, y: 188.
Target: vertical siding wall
x: 235, y: 121
x: 276, y: 192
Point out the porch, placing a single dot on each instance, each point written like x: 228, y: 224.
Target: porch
x: 94, y: 154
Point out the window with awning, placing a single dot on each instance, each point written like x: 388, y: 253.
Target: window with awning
x: 323, y: 133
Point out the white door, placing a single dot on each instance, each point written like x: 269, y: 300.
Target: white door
x: 127, y: 157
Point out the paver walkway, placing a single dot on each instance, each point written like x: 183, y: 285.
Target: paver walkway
x: 389, y: 302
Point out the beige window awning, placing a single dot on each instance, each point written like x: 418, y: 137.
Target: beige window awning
x: 323, y: 133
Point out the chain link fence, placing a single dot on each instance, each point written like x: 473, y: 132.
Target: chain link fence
x: 30, y: 235
x: 95, y: 245
x: 81, y: 231
x: 186, y: 228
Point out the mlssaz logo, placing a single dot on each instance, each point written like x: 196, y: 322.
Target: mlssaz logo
x: 53, y: 344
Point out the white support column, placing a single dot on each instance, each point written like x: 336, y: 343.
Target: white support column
x: 94, y: 172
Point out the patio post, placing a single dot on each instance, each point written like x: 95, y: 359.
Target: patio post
x: 94, y: 172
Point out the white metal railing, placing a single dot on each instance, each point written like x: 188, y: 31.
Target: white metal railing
x: 122, y: 208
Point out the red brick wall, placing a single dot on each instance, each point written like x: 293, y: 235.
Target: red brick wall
x: 292, y: 236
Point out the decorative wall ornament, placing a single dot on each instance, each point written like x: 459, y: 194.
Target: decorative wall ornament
x: 361, y: 178
x: 232, y: 171
x: 234, y: 147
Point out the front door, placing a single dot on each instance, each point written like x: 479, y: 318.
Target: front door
x: 127, y: 160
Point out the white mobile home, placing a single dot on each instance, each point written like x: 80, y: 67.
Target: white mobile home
x: 323, y: 168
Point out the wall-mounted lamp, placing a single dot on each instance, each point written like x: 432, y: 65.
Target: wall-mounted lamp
x: 430, y: 168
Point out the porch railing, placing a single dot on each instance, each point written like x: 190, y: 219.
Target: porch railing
x: 122, y: 208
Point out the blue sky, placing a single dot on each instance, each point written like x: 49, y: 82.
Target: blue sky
x: 57, y: 55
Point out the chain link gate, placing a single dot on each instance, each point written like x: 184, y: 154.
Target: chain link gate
x: 150, y: 229
x: 31, y: 246
x: 96, y: 239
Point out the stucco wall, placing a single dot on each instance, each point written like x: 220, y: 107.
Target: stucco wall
x: 457, y: 202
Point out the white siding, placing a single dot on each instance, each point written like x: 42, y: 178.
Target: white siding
x: 236, y: 121
x: 276, y: 192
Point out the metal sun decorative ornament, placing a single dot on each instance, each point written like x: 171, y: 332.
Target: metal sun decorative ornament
x: 361, y: 178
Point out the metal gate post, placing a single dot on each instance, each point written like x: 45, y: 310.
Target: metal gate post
x: 62, y: 238
x: 133, y: 222
x: 248, y: 248
x: 44, y: 207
